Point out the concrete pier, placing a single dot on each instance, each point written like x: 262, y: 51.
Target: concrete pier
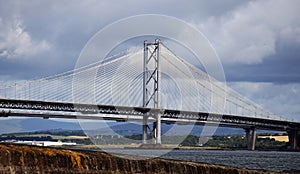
x: 250, y: 138
x: 158, y: 129
x: 253, y: 138
x: 294, y: 139
x: 145, y: 127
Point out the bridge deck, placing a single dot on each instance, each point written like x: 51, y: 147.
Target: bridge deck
x: 46, y: 109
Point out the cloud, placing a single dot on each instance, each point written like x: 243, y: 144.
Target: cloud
x: 16, y: 42
x: 54, y: 32
x: 250, y: 33
x: 281, y: 99
x: 257, y: 40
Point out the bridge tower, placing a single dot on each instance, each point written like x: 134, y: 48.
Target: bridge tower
x: 151, y: 82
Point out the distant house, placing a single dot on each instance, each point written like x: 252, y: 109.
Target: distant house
x: 45, y: 143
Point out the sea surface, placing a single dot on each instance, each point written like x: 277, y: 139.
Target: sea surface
x: 268, y: 160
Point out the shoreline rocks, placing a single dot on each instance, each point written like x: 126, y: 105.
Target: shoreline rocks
x: 33, y: 159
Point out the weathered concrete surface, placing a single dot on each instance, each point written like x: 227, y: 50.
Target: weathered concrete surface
x: 32, y: 159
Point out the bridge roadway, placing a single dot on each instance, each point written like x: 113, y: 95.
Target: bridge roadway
x: 46, y: 109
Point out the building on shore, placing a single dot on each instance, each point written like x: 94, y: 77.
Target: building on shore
x: 43, y: 143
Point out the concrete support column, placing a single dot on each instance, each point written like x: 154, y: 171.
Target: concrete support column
x: 154, y: 130
x: 297, y: 140
x: 253, y: 139
x: 145, y: 127
x: 293, y: 139
x: 248, y: 138
x: 158, y: 129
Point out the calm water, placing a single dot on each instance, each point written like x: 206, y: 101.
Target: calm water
x: 268, y: 160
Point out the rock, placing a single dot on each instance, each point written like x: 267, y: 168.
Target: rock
x: 33, y: 159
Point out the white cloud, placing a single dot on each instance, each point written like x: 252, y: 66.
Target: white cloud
x: 16, y: 42
x: 249, y: 33
x: 281, y: 99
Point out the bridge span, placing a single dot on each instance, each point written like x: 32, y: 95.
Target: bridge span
x: 44, y: 109
x: 151, y: 84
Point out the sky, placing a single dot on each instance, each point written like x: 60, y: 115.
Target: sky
x: 258, y: 42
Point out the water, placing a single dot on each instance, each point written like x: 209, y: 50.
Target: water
x: 268, y: 160
x: 275, y: 161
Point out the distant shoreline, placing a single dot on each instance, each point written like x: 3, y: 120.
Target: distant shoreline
x: 172, y: 147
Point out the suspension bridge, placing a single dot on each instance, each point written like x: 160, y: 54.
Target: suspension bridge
x: 150, y: 84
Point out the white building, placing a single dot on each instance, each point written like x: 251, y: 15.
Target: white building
x: 45, y: 143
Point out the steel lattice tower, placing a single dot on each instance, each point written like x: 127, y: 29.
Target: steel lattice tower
x: 151, y: 76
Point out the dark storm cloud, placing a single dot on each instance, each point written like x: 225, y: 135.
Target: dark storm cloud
x: 283, y: 67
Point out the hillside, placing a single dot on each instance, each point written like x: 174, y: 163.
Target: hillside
x: 34, y: 124
x: 124, y: 128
